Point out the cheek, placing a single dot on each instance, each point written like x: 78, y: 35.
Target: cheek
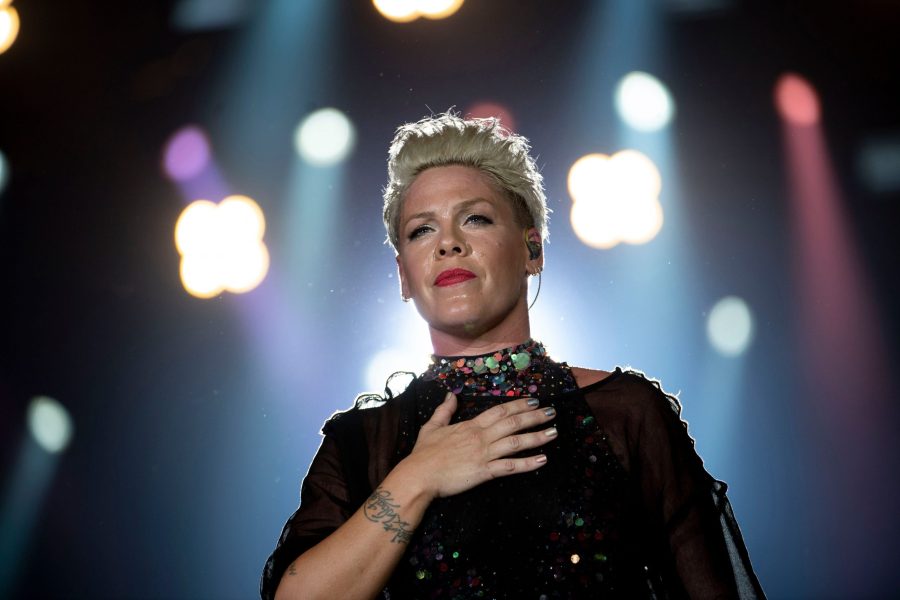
x: 414, y: 268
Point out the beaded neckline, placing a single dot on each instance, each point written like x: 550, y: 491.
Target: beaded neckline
x: 518, y: 371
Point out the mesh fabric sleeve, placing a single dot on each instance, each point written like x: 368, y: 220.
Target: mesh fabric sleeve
x: 693, y: 539
x: 325, y: 504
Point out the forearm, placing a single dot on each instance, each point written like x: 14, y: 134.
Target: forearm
x: 358, y: 558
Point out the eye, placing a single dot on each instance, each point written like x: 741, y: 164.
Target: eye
x: 418, y: 231
x: 479, y: 220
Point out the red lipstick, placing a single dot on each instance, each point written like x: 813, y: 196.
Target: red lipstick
x: 453, y: 276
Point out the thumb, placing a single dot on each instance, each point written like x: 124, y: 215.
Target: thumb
x: 444, y: 412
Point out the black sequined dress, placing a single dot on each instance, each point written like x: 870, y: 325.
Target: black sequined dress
x: 622, y: 509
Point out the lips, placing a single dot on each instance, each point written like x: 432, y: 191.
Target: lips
x: 453, y: 276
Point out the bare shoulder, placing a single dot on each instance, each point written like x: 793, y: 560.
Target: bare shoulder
x: 585, y: 377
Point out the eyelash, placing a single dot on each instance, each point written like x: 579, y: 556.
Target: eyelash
x: 473, y: 218
x: 482, y: 220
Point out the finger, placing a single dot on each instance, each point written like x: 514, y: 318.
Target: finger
x: 523, y: 441
x: 511, y: 466
x: 443, y: 413
x: 507, y: 409
x: 516, y: 423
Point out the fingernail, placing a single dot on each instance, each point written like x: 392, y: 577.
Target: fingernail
x: 540, y: 459
x: 447, y: 396
x: 550, y: 411
x: 551, y: 432
x: 533, y: 402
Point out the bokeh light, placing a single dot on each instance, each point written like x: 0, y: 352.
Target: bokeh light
x: 643, y: 102
x: 438, y: 9
x: 878, y: 163
x: 221, y: 246
x: 9, y: 26
x: 483, y: 110
x: 796, y: 100
x: 398, y: 11
x: 592, y: 224
x: 50, y: 424
x: 729, y: 326
x: 615, y: 199
x: 404, y: 11
x: 585, y: 176
x: 325, y: 137
x: 186, y: 153
x: 4, y: 171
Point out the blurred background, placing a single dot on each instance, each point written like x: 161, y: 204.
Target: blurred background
x: 725, y: 183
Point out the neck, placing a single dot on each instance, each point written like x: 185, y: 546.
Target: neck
x: 511, y: 332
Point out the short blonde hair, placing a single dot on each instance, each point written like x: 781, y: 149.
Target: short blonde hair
x: 448, y: 139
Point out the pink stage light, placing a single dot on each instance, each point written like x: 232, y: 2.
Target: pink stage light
x: 843, y: 351
x: 186, y: 154
x: 482, y: 110
x: 796, y: 100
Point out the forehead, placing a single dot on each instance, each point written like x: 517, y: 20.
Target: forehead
x: 438, y: 188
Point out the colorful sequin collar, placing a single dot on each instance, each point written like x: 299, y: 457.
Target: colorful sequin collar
x: 519, y: 371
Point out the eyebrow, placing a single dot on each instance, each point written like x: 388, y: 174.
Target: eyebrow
x: 462, y: 206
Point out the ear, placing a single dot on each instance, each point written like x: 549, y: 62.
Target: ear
x: 533, y: 245
x: 404, y: 288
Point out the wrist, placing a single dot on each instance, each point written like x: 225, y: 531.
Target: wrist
x: 409, y: 485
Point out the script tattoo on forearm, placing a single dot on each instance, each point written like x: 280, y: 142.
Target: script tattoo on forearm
x: 381, y: 508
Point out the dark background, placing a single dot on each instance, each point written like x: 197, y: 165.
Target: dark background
x: 190, y: 442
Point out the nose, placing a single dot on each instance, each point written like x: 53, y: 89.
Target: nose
x: 451, y: 243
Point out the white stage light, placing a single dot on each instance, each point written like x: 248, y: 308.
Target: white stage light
x: 50, y: 424
x: 729, y: 326
x: 325, y: 137
x: 643, y: 102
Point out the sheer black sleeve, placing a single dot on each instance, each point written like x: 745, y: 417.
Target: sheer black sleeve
x: 333, y: 489
x: 693, y: 542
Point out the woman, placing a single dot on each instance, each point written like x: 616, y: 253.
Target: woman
x: 500, y: 473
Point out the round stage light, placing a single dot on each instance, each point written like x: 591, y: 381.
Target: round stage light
x: 729, y: 326
x: 9, y: 27
x: 241, y: 228
x: 586, y: 177
x: 796, y: 100
x: 593, y: 224
x: 50, y: 424
x: 201, y: 275
x: 241, y: 220
x: 398, y: 11
x: 221, y: 246
x: 195, y: 228
x: 615, y: 199
x: 325, y: 137
x: 640, y: 219
x: 186, y: 153
x: 438, y: 9
x: 643, y: 102
x: 246, y: 268
x: 632, y: 173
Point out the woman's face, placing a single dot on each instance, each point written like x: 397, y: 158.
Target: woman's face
x: 462, y: 253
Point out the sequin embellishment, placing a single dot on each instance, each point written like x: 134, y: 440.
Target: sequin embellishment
x: 511, y: 372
